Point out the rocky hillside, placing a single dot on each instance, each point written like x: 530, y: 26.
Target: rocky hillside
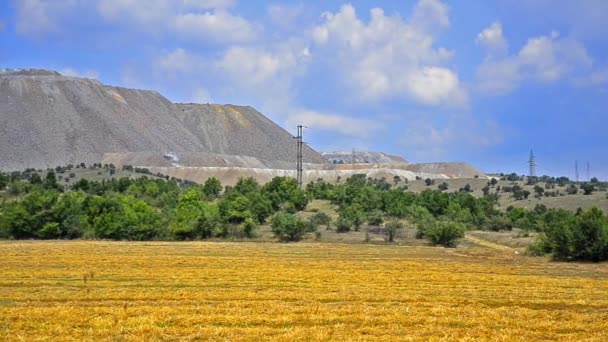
x: 47, y: 120
x: 450, y: 169
x: 362, y: 157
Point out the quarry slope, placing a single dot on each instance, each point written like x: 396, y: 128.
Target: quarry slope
x: 362, y: 157
x: 48, y: 120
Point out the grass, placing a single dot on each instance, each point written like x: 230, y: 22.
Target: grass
x: 82, y: 290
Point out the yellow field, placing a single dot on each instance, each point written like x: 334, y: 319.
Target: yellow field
x: 258, y: 291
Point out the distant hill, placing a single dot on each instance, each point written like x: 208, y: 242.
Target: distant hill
x: 362, y: 157
x: 47, y: 120
x: 450, y: 169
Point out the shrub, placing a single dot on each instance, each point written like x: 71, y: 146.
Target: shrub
x: 571, y: 189
x: 343, y: 224
x: 391, y: 230
x: 443, y: 186
x: 288, y: 227
x: 587, y: 188
x: 375, y: 217
x: 445, y: 233
x: 320, y: 218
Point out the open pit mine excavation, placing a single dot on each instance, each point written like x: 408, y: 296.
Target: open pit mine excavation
x: 53, y: 120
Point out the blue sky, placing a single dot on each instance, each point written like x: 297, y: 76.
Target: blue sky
x: 430, y: 80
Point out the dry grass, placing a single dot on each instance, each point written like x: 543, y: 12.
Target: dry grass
x: 306, y: 291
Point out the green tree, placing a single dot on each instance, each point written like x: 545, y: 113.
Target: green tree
x: 320, y: 218
x: 288, y: 227
x: 375, y: 217
x: 445, y: 233
x: 587, y: 188
x: 391, y: 229
x: 343, y: 224
x: 212, y: 187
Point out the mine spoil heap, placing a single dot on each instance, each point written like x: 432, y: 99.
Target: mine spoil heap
x: 47, y: 120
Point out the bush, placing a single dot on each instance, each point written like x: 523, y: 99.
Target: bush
x: 391, y: 230
x: 320, y: 218
x: 571, y: 189
x: 498, y: 223
x: 587, y: 188
x: 445, y: 233
x: 288, y: 227
x: 443, y: 186
x: 375, y: 218
x: 343, y: 224
x: 580, y: 237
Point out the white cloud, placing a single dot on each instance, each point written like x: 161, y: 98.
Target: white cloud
x: 428, y: 142
x: 254, y: 66
x: 430, y: 15
x: 492, y: 39
x: 201, y: 95
x: 284, y: 16
x: 218, y: 25
x: 361, y: 128
x: 208, y: 20
x: 389, y: 57
x: 548, y: 59
x: 155, y: 11
x: 71, y: 72
x: 39, y: 17
x: 178, y: 60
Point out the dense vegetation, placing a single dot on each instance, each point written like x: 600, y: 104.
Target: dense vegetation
x: 140, y: 209
x: 151, y: 209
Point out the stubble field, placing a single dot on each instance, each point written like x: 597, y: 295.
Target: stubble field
x: 82, y: 290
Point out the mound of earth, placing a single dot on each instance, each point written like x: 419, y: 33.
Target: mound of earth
x: 48, y: 120
x: 362, y: 157
x: 450, y: 169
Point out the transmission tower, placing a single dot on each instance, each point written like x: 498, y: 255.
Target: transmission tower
x: 576, y: 170
x: 532, y: 163
x: 299, y: 158
x: 588, y: 171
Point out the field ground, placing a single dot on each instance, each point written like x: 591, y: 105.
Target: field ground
x: 83, y: 290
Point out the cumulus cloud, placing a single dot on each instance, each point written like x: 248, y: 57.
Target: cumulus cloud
x: 39, y: 17
x: 178, y: 60
x: 427, y: 141
x: 208, y: 20
x: 254, y: 66
x: 218, y: 25
x: 88, y: 73
x: 283, y: 15
x: 492, y: 38
x: 390, y: 57
x: 548, y: 58
x: 361, y: 128
x: 201, y: 95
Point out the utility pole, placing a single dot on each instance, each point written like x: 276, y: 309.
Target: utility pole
x: 299, y: 158
x: 532, y: 163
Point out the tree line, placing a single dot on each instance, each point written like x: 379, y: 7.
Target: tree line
x: 35, y: 207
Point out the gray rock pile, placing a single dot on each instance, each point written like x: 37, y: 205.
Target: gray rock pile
x: 47, y: 120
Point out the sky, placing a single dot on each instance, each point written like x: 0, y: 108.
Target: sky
x: 430, y: 80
